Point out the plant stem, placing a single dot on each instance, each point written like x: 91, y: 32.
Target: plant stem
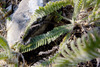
x: 67, y: 19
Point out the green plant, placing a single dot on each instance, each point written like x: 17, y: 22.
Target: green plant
x: 8, y: 55
x: 84, y: 51
x: 81, y: 50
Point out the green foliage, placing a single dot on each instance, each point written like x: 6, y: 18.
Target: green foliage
x: 95, y: 16
x: 77, y: 8
x: 4, y: 44
x: 44, y: 11
x: 46, y: 38
x: 3, y: 55
x: 83, y: 5
x: 85, y: 50
x: 51, y: 60
x: 7, y: 54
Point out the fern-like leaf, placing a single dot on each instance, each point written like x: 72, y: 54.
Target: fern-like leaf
x: 77, y: 8
x: 46, y: 38
x: 51, y: 60
x: 95, y: 16
x: 44, y: 11
x: 86, y: 50
x: 4, y: 44
x: 89, y: 3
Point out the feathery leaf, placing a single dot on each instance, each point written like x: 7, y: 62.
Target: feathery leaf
x: 77, y: 8
x: 4, y: 44
x: 85, y: 51
x: 44, y: 11
x: 46, y: 38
